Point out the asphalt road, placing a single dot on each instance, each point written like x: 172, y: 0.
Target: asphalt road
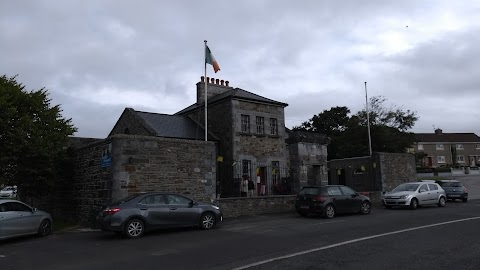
x: 426, y: 238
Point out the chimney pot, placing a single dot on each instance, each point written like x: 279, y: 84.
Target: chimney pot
x: 222, y: 82
x: 202, y: 78
x: 208, y: 79
x: 226, y: 83
x: 217, y: 81
x: 212, y: 80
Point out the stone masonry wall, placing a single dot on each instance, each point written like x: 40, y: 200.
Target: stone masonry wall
x: 234, y: 207
x: 396, y: 168
x: 92, y: 184
x: 145, y: 163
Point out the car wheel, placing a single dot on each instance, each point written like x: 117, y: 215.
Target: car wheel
x: 366, y: 208
x: 45, y: 228
x: 207, y: 221
x: 329, y: 211
x: 134, y: 228
x: 464, y: 200
x: 441, y: 202
x: 414, y: 203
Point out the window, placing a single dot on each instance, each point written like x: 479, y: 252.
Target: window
x: 477, y: 146
x: 334, y: 191
x: 275, y: 172
x: 260, y: 125
x: 246, y: 167
x: 273, y: 126
x: 460, y: 159
x: 176, y: 199
x: 423, y: 188
x: 17, y: 207
x: 459, y: 146
x: 433, y: 187
x: 246, y: 123
x: 154, y: 199
x: 420, y: 146
x: 347, y: 191
x: 441, y: 159
x: 439, y: 146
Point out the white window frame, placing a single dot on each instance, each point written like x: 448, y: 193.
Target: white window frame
x: 441, y: 159
x: 439, y: 146
x: 477, y: 146
x: 260, y: 123
x: 245, y: 123
x: 461, y: 159
x: 459, y: 146
x: 420, y: 146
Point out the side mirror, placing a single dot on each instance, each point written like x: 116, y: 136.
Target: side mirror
x: 192, y: 203
x: 34, y: 210
x: 355, y: 195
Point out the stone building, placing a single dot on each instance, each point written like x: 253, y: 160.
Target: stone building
x: 246, y: 137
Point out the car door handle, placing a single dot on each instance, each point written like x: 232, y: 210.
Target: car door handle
x: 173, y: 208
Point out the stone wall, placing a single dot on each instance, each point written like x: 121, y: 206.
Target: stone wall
x: 144, y: 163
x: 395, y: 169
x: 235, y: 207
x: 92, y: 184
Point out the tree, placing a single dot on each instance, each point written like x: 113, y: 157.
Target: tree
x: 349, y: 133
x: 33, y: 137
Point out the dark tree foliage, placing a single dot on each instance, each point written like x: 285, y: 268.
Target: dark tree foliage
x: 33, y: 138
x: 349, y: 133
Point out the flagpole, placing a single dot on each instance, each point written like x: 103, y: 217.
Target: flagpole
x: 368, y: 121
x: 206, y: 122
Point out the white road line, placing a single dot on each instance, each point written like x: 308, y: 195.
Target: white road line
x: 350, y: 242
x: 2, y: 256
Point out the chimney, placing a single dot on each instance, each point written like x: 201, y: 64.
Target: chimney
x: 438, y: 131
x: 215, y: 87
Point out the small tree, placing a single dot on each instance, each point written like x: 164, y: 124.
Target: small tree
x: 33, y: 138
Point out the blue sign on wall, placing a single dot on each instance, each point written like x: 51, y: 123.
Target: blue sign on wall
x: 106, y: 159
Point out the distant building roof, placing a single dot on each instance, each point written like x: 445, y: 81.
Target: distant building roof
x: 173, y: 126
x: 447, y: 137
x: 236, y: 93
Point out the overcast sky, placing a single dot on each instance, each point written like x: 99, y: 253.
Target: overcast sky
x: 98, y: 57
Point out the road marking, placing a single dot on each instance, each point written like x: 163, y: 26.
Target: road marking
x: 328, y: 222
x: 164, y: 252
x: 2, y: 256
x: 350, y: 242
x: 241, y: 228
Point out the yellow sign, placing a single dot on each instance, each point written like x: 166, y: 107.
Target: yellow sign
x: 220, y: 159
x: 362, y: 168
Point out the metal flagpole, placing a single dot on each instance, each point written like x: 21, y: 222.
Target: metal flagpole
x: 205, y: 60
x: 368, y: 121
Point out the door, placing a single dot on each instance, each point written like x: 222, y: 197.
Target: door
x: 182, y: 210
x: 434, y: 192
x: 429, y: 162
x: 22, y: 218
x: 340, y: 200
x: 472, y: 161
x: 155, y: 210
x: 423, y: 195
x: 353, y: 201
x: 7, y: 222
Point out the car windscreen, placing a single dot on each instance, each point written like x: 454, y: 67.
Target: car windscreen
x: 406, y: 187
x: 8, y: 189
x: 126, y: 199
x: 313, y: 191
x: 451, y: 184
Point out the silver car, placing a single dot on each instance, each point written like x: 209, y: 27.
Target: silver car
x: 415, y: 194
x: 19, y: 219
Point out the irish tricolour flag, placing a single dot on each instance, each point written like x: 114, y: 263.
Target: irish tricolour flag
x: 209, y: 59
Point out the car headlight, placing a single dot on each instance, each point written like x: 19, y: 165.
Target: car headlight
x: 216, y: 207
x: 404, y: 196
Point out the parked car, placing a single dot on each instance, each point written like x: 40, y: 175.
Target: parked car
x: 329, y: 200
x: 19, y: 219
x: 454, y: 190
x: 8, y: 192
x: 141, y: 212
x: 415, y: 194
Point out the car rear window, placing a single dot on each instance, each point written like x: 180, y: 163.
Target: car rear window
x: 313, y: 191
x: 126, y: 199
x: 451, y: 184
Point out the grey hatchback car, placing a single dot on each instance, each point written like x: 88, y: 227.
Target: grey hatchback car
x: 18, y: 219
x: 141, y: 212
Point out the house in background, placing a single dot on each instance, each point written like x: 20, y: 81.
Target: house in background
x: 446, y: 149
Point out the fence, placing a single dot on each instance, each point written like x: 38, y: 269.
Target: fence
x: 266, y: 180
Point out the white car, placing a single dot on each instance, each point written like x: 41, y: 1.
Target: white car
x: 415, y: 194
x: 8, y: 192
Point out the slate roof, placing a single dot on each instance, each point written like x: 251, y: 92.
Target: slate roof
x: 236, y: 93
x: 447, y: 137
x: 173, y: 126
